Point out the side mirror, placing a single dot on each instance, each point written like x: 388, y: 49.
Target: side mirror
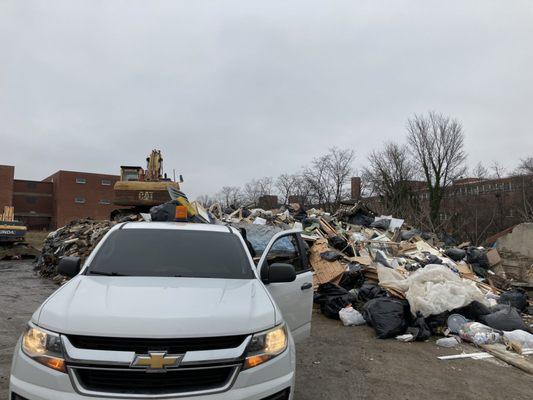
x: 278, y: 273
x: 69, y: 266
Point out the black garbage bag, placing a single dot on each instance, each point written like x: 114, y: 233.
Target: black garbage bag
x: 361, y: 218
x: 473, y: 311
x: 477, y: 256
x: 455, y: 254
x: 387, y: 316
x: 166, y: 212
x: 419, y: 328
x: 408, y: 235
x: 382, y: 224
x: 426, y: 235
x: 431, y: 259
x: 437, y: 323
x: 369, y: 291
x: 332, y: 298
x: 330, y: 256
x: 516, y: 298
x: 353, y: 278
x: 479, y: 270
x: 505, y: 319
x: 341, y: 244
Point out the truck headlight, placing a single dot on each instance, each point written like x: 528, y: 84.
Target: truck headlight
x: 44, y: 347
x: 265, y: 346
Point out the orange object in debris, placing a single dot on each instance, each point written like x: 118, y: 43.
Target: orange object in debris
x: 181, y: 212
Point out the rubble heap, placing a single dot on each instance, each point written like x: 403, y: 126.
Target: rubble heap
x: 77, y: 238
x: 371, y: 269
x: 405, y: 283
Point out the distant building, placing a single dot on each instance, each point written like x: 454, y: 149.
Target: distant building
x: 57, y: 199
x: 477, y: 207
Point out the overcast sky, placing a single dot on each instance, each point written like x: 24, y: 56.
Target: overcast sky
x: 232, y: 90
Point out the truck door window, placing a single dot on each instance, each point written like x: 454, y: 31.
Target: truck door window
x: 285, y: 250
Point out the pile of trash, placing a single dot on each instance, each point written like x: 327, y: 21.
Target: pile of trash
x: 367, y: 269
x: 405, y: 283
x: 78, y: 238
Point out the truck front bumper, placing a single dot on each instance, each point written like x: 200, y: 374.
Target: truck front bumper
x: 33, y: 381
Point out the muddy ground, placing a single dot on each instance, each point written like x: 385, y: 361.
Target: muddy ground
x: 335, y: 363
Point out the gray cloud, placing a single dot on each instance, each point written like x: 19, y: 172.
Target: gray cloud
x: 232, y: 90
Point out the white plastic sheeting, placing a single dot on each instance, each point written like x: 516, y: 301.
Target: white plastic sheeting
x: 432, y: 289
x: 435, y: 289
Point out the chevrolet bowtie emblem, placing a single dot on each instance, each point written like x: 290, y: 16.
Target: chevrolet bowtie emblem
x: 156, y: 360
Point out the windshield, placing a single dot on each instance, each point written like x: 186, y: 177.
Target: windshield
x: 170, y: 252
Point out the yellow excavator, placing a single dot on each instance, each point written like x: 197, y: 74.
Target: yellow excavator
x: 141, y: 189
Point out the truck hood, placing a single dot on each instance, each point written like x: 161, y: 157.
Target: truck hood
x: 157, y: 307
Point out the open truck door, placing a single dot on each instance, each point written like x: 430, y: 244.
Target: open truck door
x: 295, y: 299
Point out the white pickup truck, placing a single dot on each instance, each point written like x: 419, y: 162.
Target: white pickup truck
x: 170, y: 310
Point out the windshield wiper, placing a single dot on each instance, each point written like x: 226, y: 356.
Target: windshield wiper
x: 93, y: 272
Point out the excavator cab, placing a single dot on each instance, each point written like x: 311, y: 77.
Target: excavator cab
x: 128, y: 173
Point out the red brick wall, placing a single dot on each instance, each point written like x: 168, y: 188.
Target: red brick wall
x: 6, y: 186
x: 93, y: 192
x: 355, y: 188
x: 34, y: 203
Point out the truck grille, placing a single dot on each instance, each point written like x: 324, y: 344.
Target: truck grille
x: 132, y: 382
x: 141, y: 346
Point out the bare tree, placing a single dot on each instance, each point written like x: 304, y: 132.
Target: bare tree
x: 302, y: 189
x: 328, y: 175
x: 257, y: 188
x: 526, y: 166
x: 286, y: 185
x: 317, y: 180
x: 230, y: 196
x: 205, y: 200
x: 498, y: 170
x: 437, y: 144
x: 480, y: 171
x: 339, y: 167
x: 388, y: 174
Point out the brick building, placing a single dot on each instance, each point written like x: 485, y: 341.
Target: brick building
x: 473, y: 209
x: 59, y: 198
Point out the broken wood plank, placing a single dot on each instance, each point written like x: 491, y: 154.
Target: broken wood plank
x: 515, y: 360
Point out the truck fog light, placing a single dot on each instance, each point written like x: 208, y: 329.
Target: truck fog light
x: 44, y: 347
x: 265, y: 345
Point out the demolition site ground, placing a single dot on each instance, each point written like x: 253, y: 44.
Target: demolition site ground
x: 336, y: 362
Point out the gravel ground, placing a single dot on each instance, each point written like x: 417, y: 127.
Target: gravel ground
x: 334, y: 363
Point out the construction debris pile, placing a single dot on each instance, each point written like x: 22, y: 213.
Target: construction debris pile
x: 77, y: 238
x: 369, y: 269
x: 375, y: 270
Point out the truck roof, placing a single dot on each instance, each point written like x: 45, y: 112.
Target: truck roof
x: 189, y: 226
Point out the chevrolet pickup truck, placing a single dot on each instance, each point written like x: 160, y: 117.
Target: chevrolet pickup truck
x: 170, y: 310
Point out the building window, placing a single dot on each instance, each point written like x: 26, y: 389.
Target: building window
x: 105, y: 201
x: 31, y: 185
x: 79, y: 200
x: 81, y: 180
x: 507, y: 186
x: 106, y: 182
x: 31, y: 200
